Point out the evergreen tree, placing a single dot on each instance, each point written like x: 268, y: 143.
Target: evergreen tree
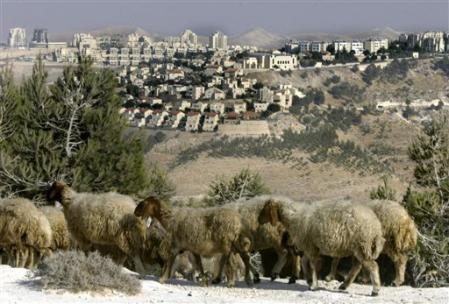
x: 71, y: 130
x: 429, y: 205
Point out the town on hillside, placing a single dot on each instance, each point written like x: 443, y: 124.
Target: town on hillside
x: 180, y: 83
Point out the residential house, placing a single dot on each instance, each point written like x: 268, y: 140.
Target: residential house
x: 210, y: 122
x: 185, y: 105
x: 260, y: 106
x: 199, y: 107
x: 174, y: 119
x: 197, y: 92
x: 239, y: 107
x: 193, y: 121
x: 214, y: 94
x: 156, y: 119
x: 217, y: 107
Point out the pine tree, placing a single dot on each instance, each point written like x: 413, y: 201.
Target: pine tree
x: 71, y: 130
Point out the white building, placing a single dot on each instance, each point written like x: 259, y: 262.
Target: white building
x: 189, y: 38
x: 339, y: 46
x: 304, y: 46
x: 357, y: 47
x: 219, y: 41
x: 17, y: 38
x: 193, y: 121
x: 282, y: 62
x: 210, y: 122
x: 373, y: 45
x: 319, y: 46
x: 84, y: 41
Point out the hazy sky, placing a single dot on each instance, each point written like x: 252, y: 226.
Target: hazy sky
x: 231, y: 16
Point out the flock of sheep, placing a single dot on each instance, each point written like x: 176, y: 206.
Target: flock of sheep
x: 181, y: 239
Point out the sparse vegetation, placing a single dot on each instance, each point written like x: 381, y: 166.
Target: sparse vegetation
x: 321, y: 143
x: 75, y: 271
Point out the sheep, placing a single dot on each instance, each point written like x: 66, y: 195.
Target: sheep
x: 336, y: 229
x: 400, y: 235
x: 203, y: 231
x: 157, y: 251
x: 23, y: 230
x: 262, y: 235
x: 60, y: 231
x: 102, y: 220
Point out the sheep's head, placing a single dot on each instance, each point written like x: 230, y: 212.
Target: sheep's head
x: 270, y: 213
x: 55, y: 192
x: 149, y: 207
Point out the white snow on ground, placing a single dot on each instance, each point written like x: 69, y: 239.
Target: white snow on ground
x: 16, y: 287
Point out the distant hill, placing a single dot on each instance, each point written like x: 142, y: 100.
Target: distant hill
x: 259, y: 37
x: 386, y: 32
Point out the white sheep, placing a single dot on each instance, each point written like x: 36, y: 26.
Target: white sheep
x: 24, y: 231
x: 400, y: 235
x: 337, y: 229
x: 104, y: 220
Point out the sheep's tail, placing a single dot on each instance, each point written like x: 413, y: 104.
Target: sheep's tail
x: 406, y: 238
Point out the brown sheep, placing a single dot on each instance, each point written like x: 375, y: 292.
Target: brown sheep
x: 203, y: 231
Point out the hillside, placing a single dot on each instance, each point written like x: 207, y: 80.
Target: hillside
x: 259, y: 37
x: 384, y: 138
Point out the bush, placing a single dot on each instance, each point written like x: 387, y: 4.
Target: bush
x: 332, y: 80
x: 371, y: 73
x: 244, y: 184
x: 77, y: 272
x: 347, y: 91
x: 383, y: 192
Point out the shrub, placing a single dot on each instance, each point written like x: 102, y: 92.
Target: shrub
x: 243, y: 184
x: 159, y: 183
x: 383, y: 192
x: 77, y: 272
x: 347, y: 91
x: 332, y: 80
x: 371, y: 73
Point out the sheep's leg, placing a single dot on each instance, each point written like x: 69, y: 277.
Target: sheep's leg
x: 30, y: 259
x: 355, y: 269
x: 296, y: 268
x: 400, y: 262
x: 246, y: 260
x: 204, y: 279
x: 282, y: 259
x: 225, y: 259
x: 313, y: 263
x: 139, y: 265
x: 333, y: 273
x: 373, y: 269
x: 21, y: 257
x: 167, y: 269
x: 231, y: 271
